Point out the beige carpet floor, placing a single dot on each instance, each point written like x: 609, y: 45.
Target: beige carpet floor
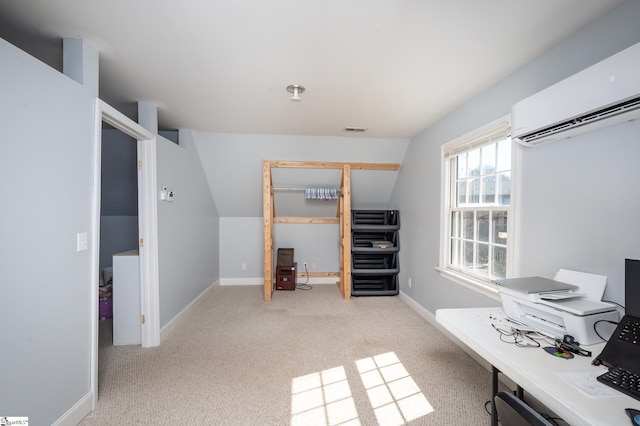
x: 305, y: 358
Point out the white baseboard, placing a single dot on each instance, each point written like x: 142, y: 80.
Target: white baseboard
x: 260, y: 281
x: 242, y: 281
x: 171, y: 325
x: 431, y: 319
x: 79, y: 411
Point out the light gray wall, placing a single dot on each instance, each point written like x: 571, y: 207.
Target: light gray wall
x: 313, y: 243
x: 233, y: 164
x: 420, y: 174
x: 580, y: 200
x: 119, y: 195
x: 243, y: 236
x: 117, y: 234
x: 188, y: 228
x: 45, y: 284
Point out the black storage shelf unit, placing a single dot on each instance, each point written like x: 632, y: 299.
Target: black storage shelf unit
x: 374, y: 252
x: 374, y: 285
x: 375, y: 220
x: 376, y: 264
x: 374, y: 242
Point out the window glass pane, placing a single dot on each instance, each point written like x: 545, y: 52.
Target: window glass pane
x: 499, y: 262
x: 488, y: 159
x: 455, y: 224
x: 480, y: 196
x: 468, y: 254
x: 489, y: 189
x: 473, y: 165
x: 482, y: 263
x: 504, y: 197
x: 499, y: 232
x: 504, y: 155
x: 462, y: 166
x: 462, y: 192
x: 474, y: 191
x: 482, y: 219
x: 467, y: 223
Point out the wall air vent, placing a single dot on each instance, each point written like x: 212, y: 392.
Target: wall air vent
x: 354, y: 129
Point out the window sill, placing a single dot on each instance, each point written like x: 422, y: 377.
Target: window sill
x: 486, y: 288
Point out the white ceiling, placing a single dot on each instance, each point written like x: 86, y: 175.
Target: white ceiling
x: 391, y: 66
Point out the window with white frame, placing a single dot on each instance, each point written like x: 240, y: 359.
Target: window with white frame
x: 478, y: 191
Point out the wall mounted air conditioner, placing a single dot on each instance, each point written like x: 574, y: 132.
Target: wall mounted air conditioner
x: 604, y: 94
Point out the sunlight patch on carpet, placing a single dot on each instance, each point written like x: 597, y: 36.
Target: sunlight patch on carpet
x: 323, y: 399
x: 393, y: 394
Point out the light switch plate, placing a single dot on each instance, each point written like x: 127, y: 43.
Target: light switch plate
x: 81, y: 241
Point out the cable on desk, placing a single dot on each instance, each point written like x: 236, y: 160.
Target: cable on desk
x: 520, y: 338
x: 615, y: 303
x: 596, y: 331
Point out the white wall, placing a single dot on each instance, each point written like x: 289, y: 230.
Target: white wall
x: 188, y: 229
x: 45, y: 284
x: 595, y: 250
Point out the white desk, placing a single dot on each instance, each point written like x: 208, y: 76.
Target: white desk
x: 537, y: 372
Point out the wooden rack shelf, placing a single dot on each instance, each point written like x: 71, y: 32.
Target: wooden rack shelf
x: 343, y: 217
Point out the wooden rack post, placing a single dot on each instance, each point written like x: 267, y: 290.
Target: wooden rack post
x: 343, y: 218
x: 268, y: 209
x: 345, y: 232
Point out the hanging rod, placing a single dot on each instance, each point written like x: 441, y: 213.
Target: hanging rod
x: 285, y: 189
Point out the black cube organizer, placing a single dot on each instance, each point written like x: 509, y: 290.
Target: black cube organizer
x: 374, y: 252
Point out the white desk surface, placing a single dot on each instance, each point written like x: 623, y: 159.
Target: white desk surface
x: 541, y: 375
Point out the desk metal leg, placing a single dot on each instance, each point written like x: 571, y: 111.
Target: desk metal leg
x: 520, y: 393
x: 494, y: 392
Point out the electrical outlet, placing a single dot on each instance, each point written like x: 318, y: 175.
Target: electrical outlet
x: 305, y: 265
x: 314, y: 265
x: 244, y: 266
x: 409, y: 281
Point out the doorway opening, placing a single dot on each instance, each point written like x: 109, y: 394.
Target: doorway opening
x: 147, y: 229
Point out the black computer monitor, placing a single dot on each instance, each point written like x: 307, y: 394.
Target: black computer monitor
x: 632, y: 287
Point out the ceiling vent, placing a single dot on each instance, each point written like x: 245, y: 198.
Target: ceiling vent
x: 355, y: 129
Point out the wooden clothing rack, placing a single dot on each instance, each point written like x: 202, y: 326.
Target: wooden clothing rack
x: 343, y: 217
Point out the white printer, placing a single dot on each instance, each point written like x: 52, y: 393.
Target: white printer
x: 554, y: 308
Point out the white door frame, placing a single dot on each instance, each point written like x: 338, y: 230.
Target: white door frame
x: 147, y: 229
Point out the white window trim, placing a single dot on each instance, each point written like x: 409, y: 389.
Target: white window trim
x: 483, y: 286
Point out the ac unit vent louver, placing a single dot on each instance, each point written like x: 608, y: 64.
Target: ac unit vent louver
x: 355, y: 129
x: 592, y: 117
